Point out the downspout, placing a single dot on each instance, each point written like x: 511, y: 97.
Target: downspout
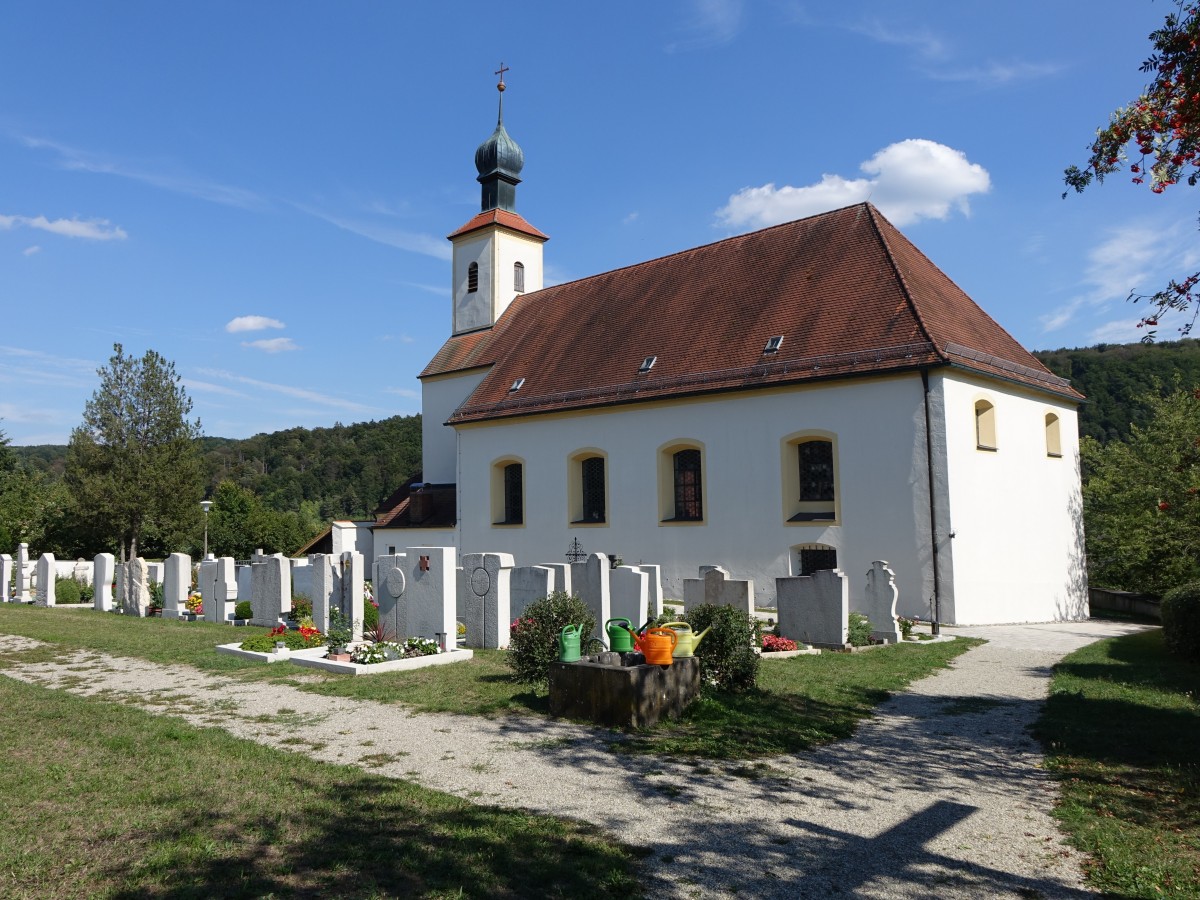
x: 933, y: 539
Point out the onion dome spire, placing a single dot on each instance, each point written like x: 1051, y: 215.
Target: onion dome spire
x: 499, y: 161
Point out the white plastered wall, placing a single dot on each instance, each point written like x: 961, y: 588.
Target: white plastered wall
x: 1015, y: 512
x: 881, y: 466
x: 495, y: 251
x: 440, y: 396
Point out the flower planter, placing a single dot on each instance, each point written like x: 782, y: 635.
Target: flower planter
x: 338, y: 657
x: 395, y: 665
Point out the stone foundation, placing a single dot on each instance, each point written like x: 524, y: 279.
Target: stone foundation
x: 634, y: 696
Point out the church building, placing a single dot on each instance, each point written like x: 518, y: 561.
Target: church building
x: 813, y: 395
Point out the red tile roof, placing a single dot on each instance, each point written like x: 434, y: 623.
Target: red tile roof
x: 848, y: 292
x: 502, y: 217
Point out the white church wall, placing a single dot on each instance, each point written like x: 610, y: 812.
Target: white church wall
x: 882, y: 500
x: 494, y: 251
x: 440, y: 396
x: 1016, y: 513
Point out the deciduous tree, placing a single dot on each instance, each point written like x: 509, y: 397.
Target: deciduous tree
x: 132, y: 465
x: 1158, y: 136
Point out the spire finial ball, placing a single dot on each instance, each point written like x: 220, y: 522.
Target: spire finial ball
x: 500, y: 87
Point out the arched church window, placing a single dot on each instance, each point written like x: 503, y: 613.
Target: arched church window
x: 689, y: 505
x: 519, y: 277
x: 1053, y: 436
x: 985, y: 425
x: 472, y: 278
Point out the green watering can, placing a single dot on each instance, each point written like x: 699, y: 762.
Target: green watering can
x: 568, y: 643
x: 620, y: 635
x: 687, y: 642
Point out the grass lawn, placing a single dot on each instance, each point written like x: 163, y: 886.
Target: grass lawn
x: 800, y: 702
x: 102, y: 800
x: 1122, y: 734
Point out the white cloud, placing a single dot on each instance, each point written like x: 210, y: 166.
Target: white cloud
x: 908, y: 181
x: 414, y: 242
x: 437, y: 289
x: 403, y: 392
x: 272, y: 345
x: 89, y: 229
x: 207, y: 387
x: 1124, y: 331
x: 630, y: 219
x: 18, y: 365
x: 712, y: 23
x: 923, y: 41
x: 30, y: 251
x: 289, y: 391
x: 252, y: 323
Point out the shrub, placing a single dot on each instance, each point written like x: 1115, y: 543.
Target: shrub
x: 301, y: 608
x: 370, y: 615
x: 156, y: 595
x: 87, y: 592
x: 906, y: 626
x: 1181, y: 621
x: 340, y: 631
x: 534, y: 641
x: 66, y: 590
x: 727, y: 658
x: 243, y: 610
x: 859, y: 630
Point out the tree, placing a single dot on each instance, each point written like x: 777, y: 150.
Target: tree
x: 240, y: 523
x: 1141, y: 499
x: 1162, y: 129
x: 133, y: 465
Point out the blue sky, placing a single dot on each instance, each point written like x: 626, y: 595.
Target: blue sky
x: 260, y: 191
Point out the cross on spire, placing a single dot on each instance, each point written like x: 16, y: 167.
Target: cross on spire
x: 503, y: 68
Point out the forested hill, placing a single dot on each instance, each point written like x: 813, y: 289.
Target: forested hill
x: 1115, y: 377
x: 339, y: 472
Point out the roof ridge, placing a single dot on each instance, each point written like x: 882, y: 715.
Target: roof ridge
x: 901, y: 280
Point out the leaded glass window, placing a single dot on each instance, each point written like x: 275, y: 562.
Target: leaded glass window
x: 513, y: 500
x: 688, y: 502
x: 592, y: 472
x: 816, y: 470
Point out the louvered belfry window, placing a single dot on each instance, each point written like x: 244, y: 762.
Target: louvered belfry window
x: 688, y: 502
x: 472, y: 278
x: 519, y: 277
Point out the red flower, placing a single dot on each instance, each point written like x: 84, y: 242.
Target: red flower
x: 1164, y: 506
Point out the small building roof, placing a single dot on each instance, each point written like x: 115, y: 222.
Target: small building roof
x: 502, y: 217
x: 847, y: 292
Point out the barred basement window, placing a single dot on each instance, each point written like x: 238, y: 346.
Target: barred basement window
x: 689, y: 505
x: 519, y: 277
x: 817, y: 558
x: 472, y: 278
x: 592, y: 470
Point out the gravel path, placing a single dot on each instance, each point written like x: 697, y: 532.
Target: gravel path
x: 939, y: 794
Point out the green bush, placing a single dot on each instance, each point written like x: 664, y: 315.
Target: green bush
x: 156, y: 595
x: 1181, y: 621
x: 727, y: 658
x: 66, y: 590
x: 370, y: 615
x: 859, y: 630
x: 87, y: 592
x: 243, y: 610
x: 301, y: 608
x: 534, y: 641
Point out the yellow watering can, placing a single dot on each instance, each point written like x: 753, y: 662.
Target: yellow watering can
x: 688, y: 642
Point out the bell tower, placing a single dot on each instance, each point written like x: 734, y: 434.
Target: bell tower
x: 497, y: 254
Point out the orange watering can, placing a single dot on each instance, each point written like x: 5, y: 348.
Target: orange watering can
x: 688, y: 642
x: 658, y: 644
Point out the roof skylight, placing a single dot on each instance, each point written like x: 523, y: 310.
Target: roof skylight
x: 773, y: 344
x: 516, y: 385
x: 647, y: 364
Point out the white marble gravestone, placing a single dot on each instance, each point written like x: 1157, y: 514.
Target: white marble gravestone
x: 484, y: 598
x: 715, y: 587
x: 103, y: 572
x: 526, y: 584
x: 630, y: 594
x: 134, y: 585
x: 390, y: 582
x: 879, y: 602
x: 353, y: 576
x: 270, y: 590
x: 814, y: 608
x: 6, y: 574
x: 431, y: 590
x: 177, y: 579
x: 46, y: 575
x: 21, y: 591
x: 324, y: 588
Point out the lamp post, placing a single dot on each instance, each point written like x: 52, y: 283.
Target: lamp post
x: 206, y: 505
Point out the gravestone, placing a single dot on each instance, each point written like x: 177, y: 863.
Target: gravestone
x: 484, y: 598
x: 45, y: 580
x: 591, y: 581
x: 630, y: 594
x: 526, y: 584
x: 270, y: 590
x: 352, y: 591
x: 431, y: 591
x: 155, y: 572
x: 21, y: 591
x: 206, y: 584
x: 324, y: 585
x: 82, y: 571
x: 177, y: 578
x: 879, y: 602
x: 301, y: 578
x: 562, y: 576
x: 6, y: 574
x: 218, y: 588
x: 103, y: 572
x: 134, y: 586
x: 715, y: 587
x: 391, y: 582
x: 242, y: 575
x: 814, y: 608
x: 655, y: 599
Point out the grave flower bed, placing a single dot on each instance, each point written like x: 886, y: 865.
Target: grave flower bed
x: 305, y: 637
x: 774, y: 644
x: 385, y: 651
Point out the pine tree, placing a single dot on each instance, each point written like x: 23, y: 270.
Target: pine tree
x: 133, y: 465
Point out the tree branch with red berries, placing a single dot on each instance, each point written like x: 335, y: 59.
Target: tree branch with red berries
x: 1158, y: 136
